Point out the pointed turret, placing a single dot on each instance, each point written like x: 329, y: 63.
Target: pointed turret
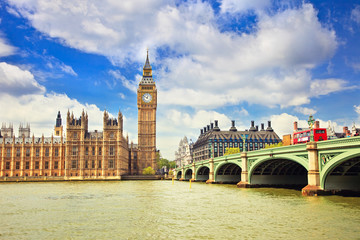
x: 58, y: 119
x: 147, y: 62
x: 120, y: 120
x: 58, y: 126
x: 147, y: 72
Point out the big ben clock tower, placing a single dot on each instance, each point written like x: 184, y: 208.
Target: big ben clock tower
x: 147, y: 102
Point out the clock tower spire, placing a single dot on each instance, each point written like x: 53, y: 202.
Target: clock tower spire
x: 147, y: 103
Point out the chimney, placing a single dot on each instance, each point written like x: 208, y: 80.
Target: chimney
x: 345, y: 129
x: 257, y: 128
x: 212, y: 125
x: 269, y: 127
x: 233, y: 128
x: 252, y: 128
x: 208, y: 127
x: 295, y: 126
x: 201, y: 132
x: 204, y: 129
x: 216, y: 128
x: 262, y: 127
x: 317, y: 124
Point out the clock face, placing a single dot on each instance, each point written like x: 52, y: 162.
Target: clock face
x: 147, y: 97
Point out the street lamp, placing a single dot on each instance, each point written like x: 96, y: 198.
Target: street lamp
x: 243, y: 137
x: 311, y: 126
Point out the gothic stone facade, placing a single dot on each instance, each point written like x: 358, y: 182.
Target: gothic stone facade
x: 83, y: 154
x: 183, y: 156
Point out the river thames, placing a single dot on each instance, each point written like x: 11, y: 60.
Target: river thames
x: 163, y: 210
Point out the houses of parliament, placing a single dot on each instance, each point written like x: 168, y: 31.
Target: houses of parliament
x: 81, y: 154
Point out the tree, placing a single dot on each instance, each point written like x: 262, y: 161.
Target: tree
x: 172, y: 164
x: 229, y: 151
x: 148, y: 171
x: 161, y: 162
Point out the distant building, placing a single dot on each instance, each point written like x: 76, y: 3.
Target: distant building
x: 211, y: 137
x: 287, y: 140
x: 183, y: 155
x: 355, y: 131
x: 345, y: 133
x: 7, y: 132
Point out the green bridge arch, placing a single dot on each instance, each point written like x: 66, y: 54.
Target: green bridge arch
x: 232, y: 177
x: 318, y: 160
x: 336, y: 161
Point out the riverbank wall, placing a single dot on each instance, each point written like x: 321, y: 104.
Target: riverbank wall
x: 62, y: 178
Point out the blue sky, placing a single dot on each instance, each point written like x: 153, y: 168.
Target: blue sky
x: 212, y: 60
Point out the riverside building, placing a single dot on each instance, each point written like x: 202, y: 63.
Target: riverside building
x: 82, y: 154
x: 211, y: 137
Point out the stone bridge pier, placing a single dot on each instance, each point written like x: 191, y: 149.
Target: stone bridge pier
x: 244, y: 183
x: 313, y: 187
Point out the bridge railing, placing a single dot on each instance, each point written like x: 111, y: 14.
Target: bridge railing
x: 338, y: 143
x: 228, y: 157
x: 278, y: 150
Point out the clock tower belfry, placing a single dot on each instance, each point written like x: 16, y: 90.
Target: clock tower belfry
x: 147, y: 103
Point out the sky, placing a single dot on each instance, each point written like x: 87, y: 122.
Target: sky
x: 261, y: 60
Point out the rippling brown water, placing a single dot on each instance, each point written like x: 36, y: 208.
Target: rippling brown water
x: 161, y: 210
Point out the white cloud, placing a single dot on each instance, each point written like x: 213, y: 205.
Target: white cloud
x: 122, y: 96
x: 305, y: 110
x: 355, y: 14
x: 174, y: 124
x: 283, y: 124
x: 326, y: 86
x: 114, y: 29
x: 235, y: 6
x: 242, y: 112
x: 5, y: 48
x: 355, y: 66
x: 15, y: 81
x: 13, y: 11
x: 40, y: 111
x: 357, y: 109
x: 129, y: 84
x: 67, y: 69
x: 23, y: 99
x: 270, y: 66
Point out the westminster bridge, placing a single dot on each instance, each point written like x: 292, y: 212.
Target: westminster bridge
x: 319, y: 167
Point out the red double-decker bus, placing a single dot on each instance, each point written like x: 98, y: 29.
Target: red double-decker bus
x: 304, y: 136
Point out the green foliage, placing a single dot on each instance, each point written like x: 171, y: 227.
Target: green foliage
x: 274, y: 145
x: 148, y: 171
x: 229, y: 151
x: 160, y: 162
x: 172, y: 164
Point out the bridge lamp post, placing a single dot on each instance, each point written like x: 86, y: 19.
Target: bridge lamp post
x: 243, y: 137
x: 311, y: 122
